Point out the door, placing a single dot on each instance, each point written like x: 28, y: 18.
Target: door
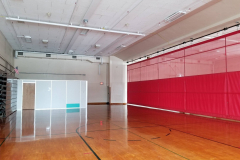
x: 28, y: 96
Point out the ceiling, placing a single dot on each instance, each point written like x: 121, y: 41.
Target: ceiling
x: 138, y: 16
x: 214, y: 16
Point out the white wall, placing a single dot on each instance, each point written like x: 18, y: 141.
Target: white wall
x: 56, y: 94
x: 118, y: 80
x: 96, y: 92
x: 6, y: 52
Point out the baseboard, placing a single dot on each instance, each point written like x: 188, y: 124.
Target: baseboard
x: 104, y: 103
x: 97, y: 103
x: 199, y: 115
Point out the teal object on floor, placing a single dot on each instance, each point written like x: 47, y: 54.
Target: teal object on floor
x: 75, y: 105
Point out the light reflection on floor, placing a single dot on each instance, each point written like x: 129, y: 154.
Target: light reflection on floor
x: 116, y: 132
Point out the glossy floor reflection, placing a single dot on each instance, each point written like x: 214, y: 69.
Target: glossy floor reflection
x: 116, y: 132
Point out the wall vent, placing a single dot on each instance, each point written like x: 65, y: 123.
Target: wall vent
x: 74, y: 57
x: 175, y: 16
x: 20, y: 53
x: 98, y: 58
x: 20, y: 22
x: 48, y: 55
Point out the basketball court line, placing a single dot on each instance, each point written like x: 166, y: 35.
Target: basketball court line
x: 128, y: 140
x: 7, y: 137
x: 198, y: 136
x: 171, y: 129
x: 156, y: 125
x: 87, y: 144
x: 154, y: 143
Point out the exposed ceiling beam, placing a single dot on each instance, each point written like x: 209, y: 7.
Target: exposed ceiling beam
x: 93, y: 6
x: 66, y: 30
x: 123, y: 15
x: 73, y: 26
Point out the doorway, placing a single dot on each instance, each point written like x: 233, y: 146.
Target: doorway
x: 28, y: 101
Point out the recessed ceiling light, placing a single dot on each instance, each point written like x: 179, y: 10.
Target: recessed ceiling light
x: 49, y: 14
x: 44, y: 41
x: 97, y: 45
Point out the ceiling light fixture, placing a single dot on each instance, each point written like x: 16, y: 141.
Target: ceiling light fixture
x: 70, y: 52
x: 28, y: 39
x: 97, y: 45
x: 44, y: 41
x: 49, y: 14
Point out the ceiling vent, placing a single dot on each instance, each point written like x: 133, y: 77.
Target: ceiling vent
x: 20, y: 22
x: 74, y: 57
x: 20, y: 53
x: 48, y: 55
x: 175, y: 16
x: 121, y: 46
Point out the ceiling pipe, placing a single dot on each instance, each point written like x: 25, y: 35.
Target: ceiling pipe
x: 73, y: 26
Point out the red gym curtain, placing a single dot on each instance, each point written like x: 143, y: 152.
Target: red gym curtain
x: 203, y: 79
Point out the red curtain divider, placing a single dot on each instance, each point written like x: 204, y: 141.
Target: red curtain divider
x: 203, y: 79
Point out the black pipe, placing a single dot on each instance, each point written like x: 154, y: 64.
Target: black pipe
x: 224, y: 29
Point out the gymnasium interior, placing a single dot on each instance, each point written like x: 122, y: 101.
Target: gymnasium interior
x: 119, y: 79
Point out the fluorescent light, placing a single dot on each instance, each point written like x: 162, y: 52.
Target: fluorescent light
x: 44, y: 41
x: 28, y: 39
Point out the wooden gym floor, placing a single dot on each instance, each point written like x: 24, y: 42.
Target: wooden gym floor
x: 117, y: 132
